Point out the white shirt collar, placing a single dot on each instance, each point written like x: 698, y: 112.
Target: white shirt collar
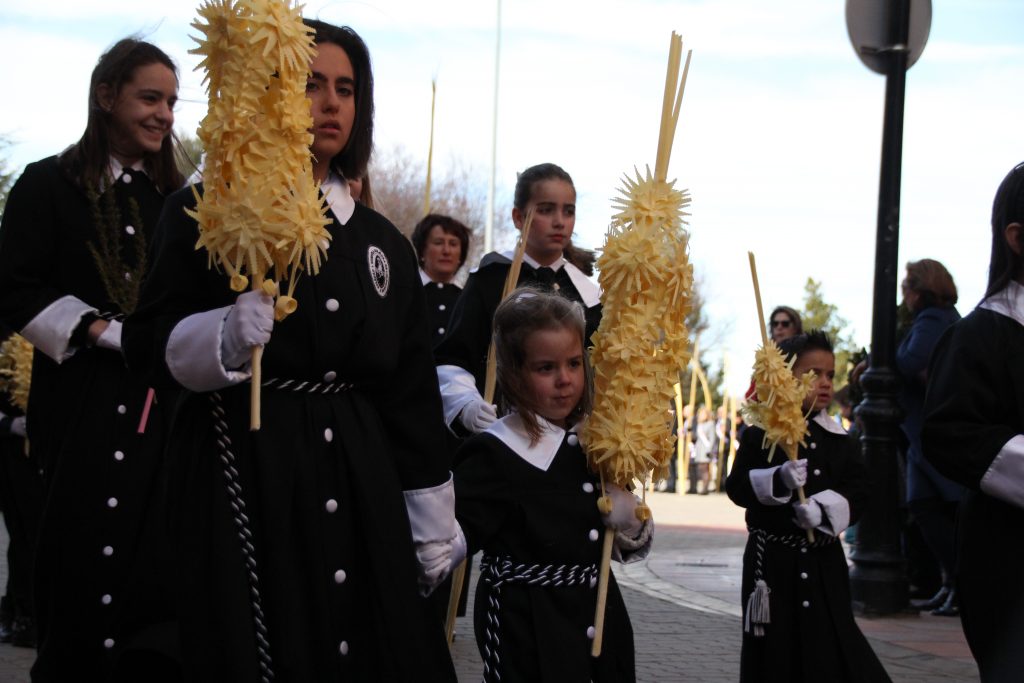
x: 424, y: 278
x: 1008, y: 302
x: 117, y: 168
x: 828, y: 424
x: 335, y: 189
x: 511, y: 431
x: 589, y: 292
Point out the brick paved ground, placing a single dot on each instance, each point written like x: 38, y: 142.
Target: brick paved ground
x: 684, y: 603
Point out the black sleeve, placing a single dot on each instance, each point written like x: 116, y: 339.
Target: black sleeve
x: 854, y: 481
x: 28, y: 235
x: 483, y: 494
x: 973, y: 404
x: 409, y: 402
x: 749, y: 456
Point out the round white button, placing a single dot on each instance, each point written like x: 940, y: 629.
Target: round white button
x: 591, y: 632
x: 129, y: 229
x: 440, y: 285
x: 440, y: 330
x: 803, y: 575
x: 806, y: 604
x: 126, y: 179
x: 340, y: 576
x: 106, y: 599
x: 108, y: 550
x: 588, y: 487
x: 803, y: 550
x: 119, y: 455
x: 817, y: 472
x: 328, y: 435
x: 121, y: 410
x: 128, y: 277
x: 331, y: 505
x: 594, y: 534
x: 813, y: 445
x: 573, y: 440
x: 111, y: 502
x: 108, y: 643
x: 440, y: 307
x: 343, y: 648
x: 330, y: 376
x: 331, y: 305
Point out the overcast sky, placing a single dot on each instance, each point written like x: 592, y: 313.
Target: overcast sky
x: 778, y: 141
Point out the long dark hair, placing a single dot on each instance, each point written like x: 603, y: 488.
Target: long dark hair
x: 1008, y: 207
x: 88, y: 161
x: 351, y: 161
x: 535, y: 174
x: 526, y: 311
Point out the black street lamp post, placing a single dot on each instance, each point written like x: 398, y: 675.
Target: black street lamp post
x: 878, y: 579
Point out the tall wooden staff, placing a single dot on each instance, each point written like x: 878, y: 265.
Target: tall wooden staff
x: 780, y: 395
x: 646, y: 278
x: 490, y: 383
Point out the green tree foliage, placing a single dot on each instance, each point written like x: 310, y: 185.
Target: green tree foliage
x: 821, y: 315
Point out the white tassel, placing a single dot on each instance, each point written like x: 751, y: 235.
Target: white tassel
x: 757, y: 612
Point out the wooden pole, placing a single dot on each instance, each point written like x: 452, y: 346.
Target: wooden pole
x: 490, y: 383
x: 602, y: 591
x: 430, y: 148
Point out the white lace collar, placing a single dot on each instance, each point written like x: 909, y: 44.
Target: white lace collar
x: 1008, y: 302
x: 511, y: 431
x: 828, y: 424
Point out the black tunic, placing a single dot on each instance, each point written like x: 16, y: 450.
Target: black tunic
x: 327, y: 537
x: 101, y: 580
x: 812, y: 635
x: 441, y: 298
x: 469, y: 336
x: 973, y: 410
x: 511, y: 508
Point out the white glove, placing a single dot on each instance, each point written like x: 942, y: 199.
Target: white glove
x: 437, y: 559
x: 478, y: 415
x: 623, y: 513
x: 110, y: 338
x: 793, y: 474
x: 18, y: 427
x: 808, y: 515
x: 248, y: 324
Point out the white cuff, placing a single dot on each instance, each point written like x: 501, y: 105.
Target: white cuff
x: 193, y: 353
x: 1004, y: 478
x: 432, y: 513
x: 836, y: 511
x: 111, y: 337
x: 457, y: 389
x: 761, y: 482
x: 50, y: 331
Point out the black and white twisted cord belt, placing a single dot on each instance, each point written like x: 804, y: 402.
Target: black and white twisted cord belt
x: 306, y: 386
x: 234, y: 488
x: 757, y: 614
x: 496, y: 572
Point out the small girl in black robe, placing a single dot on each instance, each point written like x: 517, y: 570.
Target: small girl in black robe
x: 525, y: 496
x: 807, y: 632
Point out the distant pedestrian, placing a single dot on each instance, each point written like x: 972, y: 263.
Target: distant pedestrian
x: 442, y: 245
x: 974, y: 434
x: 798, y: 619
x: 783, y: 323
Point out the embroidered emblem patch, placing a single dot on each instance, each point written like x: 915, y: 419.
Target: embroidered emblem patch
x: 380, y: 270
